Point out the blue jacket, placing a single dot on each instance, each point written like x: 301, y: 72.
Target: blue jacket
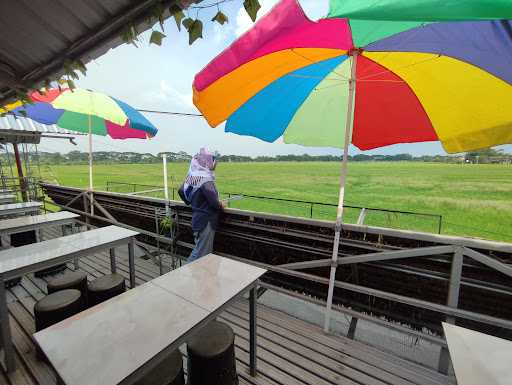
x: 205, y: 206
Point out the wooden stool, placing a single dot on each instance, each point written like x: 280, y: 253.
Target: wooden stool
x: 169, y: 372
x: 70, y: 280
x: 211, y: 356
x: 105, y: 287
x: 57, y: 307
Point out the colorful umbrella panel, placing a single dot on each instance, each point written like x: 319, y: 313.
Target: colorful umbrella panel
x: 74, y: 110
x: 417, y: 78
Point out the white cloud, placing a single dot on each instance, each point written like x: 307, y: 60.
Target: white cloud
x: 166, y: 96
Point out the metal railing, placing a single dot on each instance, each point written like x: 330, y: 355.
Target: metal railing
x: 303, y: 208
x: 455, y: 248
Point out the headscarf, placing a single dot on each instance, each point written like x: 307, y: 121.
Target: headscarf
x: 199, y: 172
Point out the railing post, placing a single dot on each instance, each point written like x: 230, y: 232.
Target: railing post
x: 453, y: 301
x: 362, y: 216
x: 311, y: 211
x: 440, y: 224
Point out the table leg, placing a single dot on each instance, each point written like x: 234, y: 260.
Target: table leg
x: 5, y: 330
x: 113, y: 267
x: 252, y: 331
x: 131, y: 261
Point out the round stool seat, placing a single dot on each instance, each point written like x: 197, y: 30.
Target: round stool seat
x: 56, y: 307
x: 105, y: 287
x: 70, y: 280
x: 169, y: 372
x: 211, y: 356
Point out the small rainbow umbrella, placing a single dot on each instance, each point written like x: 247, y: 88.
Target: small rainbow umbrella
x: 85, y: 111
x: 373, y: 73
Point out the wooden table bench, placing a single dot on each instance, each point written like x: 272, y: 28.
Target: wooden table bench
x: 23, y: 208
x: 36, y: 222
x: 119, y: 341
x: 7, y: 198
x: 478, y: 358
x: 19, y: 261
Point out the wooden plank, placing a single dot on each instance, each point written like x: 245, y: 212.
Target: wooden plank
x: 293, y: 363
x: 385, y: 361
x: 325, y: 360
x: 26, y: 349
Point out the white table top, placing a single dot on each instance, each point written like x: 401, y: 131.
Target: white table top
x: 107, y: 343
x: 210, y: 283
x: 23, y: 206
x: 14, y: 224
x: 478, y: 358
x: 15, y: 261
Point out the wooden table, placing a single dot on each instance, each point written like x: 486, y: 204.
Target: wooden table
x: 20, y: 208
x: 36, y: 222
x: 7, y: 198
x: 18, y: 261
x: 124, y: 338
x: 478, y: 358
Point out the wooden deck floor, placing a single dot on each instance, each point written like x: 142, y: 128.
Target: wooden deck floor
x: 290, y: 351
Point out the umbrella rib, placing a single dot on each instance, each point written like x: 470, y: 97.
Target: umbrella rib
x: 313, y: 62
x: 401, y: 67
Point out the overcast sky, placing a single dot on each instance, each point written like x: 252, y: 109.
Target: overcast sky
x: 160, y: 78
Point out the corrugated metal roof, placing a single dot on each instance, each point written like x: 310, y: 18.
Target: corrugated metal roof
x: 9, y: 122
x: 37, y: 36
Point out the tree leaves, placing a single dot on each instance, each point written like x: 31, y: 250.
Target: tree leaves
x: 220, y: 18
x: 156, y: 38
x: 178, y: 15
x: 194, y: 28
x: 187, y: 23
x: 252, y: 7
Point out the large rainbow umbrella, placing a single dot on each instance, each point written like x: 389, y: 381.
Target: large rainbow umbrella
x: 373, y: 73
x: 86, y: 111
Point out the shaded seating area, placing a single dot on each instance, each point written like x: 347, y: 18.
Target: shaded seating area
x: 290, y: 351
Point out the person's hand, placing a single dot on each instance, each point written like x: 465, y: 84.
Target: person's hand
x: 222, y: 205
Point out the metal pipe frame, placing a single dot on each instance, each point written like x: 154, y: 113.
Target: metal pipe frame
x: 343, y: 285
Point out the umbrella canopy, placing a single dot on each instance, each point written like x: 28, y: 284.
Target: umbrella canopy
x: 374, y: 73
x: 85, y: 111
x: 415, y: 79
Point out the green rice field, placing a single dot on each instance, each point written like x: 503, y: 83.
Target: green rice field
x: 473, y: 200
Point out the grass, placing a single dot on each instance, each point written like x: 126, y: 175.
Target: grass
x: 474, y: 200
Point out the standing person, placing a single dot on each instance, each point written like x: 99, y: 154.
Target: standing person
x: 200, y: 192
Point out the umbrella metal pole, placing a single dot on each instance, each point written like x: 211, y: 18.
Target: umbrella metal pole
x: 91, y: 197
x: 341, y: 198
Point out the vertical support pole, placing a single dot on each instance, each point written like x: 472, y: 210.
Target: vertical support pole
x: 5, y: 329
x: 252, y: 331
x: 311, y: 211
x: 86, y: 210
x: 131, y: 261
x: 353, y: 322
x: 166, y: 187
x: 341, y: 198
x: 91, y: 198
x: 453, y: 301
x: 19, y: 167
x: 362, y: 216
x: 113, y: 267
